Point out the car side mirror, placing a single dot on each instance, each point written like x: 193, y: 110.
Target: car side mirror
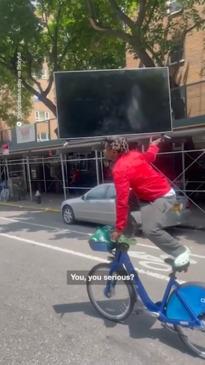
x: 83, y: 197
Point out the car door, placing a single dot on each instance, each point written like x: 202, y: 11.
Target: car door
x: 97, y: 206
x: 111, y: 206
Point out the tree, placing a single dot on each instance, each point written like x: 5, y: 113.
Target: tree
x: 149, y: 32
x: 56, y: 32
x: 8, y: 97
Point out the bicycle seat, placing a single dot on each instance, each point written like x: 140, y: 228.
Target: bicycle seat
x: 170, y: 262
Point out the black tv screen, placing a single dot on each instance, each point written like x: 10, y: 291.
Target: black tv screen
x: 112, y: 102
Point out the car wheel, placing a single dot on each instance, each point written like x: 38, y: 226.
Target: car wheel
x: 68, y: 215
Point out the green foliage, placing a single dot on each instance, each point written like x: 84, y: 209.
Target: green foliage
x: 58, y: 32
x: 8, y: 97
x: 145, y: 26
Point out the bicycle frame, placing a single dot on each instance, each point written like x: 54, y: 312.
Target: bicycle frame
x: 122, y: 260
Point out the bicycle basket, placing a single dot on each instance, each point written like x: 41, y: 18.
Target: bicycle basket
x: 100, y: 240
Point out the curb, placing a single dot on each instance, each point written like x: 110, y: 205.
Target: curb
x: 53, y: 210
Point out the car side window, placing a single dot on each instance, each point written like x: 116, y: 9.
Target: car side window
x: 97, y: 193
x: 111, y: 192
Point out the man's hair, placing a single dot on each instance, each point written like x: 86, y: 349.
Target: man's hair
x: 118, y: 144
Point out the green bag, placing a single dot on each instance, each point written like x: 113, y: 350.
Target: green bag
x: 101, y: 239
x: 102, y: 234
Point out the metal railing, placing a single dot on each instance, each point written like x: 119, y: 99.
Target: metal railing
x: 188, y: 101
x: 44, y: 131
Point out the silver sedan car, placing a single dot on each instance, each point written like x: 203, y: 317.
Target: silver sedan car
x: 98, y: 206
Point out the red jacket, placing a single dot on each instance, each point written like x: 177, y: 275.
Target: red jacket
x: 134, y: 170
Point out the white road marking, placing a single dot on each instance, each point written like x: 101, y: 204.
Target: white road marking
x: 156, y: 248
x: 145, y: 245
x: 79, y: 254
x: 162, y: 265
x: 199, y: 256
x: 22, y: 220
x: 55, y: 248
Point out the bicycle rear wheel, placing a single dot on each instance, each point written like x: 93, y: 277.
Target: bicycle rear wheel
x: 193, y: 338
x: 117, y: 303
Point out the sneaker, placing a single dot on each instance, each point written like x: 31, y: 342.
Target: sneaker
x: 183, y: 258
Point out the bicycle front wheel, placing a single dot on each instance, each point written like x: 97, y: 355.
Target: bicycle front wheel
x: 114, y: 302
x: 193, y: 338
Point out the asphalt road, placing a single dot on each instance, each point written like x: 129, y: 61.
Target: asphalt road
x: 45, y: 321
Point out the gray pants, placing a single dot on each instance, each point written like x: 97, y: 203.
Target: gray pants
x: 153, y: 217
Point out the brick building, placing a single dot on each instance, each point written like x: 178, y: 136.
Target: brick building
x: 40, y: 112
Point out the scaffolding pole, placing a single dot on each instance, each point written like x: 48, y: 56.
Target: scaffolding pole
x: 183, y: 168
x: 44, y: 176
x: 7, y: 170
x: 181, y: 174
x: 97, y: 167
x: 191, y: 164
x: 29, y: 177
x: 66, y: 169
x: 24, y: 174
x: 63, y: 175
x: 101, y: 164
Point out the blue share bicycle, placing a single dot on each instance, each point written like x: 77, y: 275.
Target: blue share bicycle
x: 113, y: 288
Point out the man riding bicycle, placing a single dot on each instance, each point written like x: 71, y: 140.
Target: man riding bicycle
x: 133, y: 169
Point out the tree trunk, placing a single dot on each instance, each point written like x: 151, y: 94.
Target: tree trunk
x: 145, y: 58
x: 49, y: 104
x: 41, y: 97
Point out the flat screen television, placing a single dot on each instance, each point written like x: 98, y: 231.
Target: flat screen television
x: 113, y: 102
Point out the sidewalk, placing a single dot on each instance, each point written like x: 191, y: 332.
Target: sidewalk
x: 50, y: 203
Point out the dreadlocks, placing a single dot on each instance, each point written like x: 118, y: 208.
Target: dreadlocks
x: 118, y: 144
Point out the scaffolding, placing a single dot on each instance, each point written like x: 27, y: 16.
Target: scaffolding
x: 91, y: 166
x: 33, y: 172
x: 182, y: 182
